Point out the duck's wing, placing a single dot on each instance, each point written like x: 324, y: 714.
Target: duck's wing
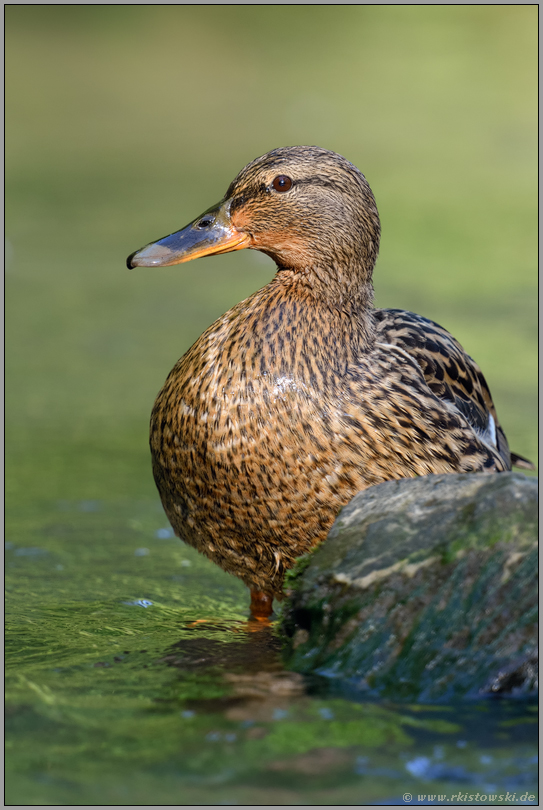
x: 450, y: 374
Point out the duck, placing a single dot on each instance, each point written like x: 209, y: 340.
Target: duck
x: 304, y: 393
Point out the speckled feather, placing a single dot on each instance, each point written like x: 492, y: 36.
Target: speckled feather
x: 303, y: 394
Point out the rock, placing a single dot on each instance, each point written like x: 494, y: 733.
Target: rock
x: 425, y: 589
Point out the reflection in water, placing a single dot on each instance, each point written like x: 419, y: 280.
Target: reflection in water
x: 258, y: 648
x: 258, y: 686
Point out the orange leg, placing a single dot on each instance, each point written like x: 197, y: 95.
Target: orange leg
x: 261, y: 605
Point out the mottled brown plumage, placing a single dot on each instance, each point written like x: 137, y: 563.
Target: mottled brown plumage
x: 304, y: 394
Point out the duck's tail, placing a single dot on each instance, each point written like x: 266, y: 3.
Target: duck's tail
x: 521, y: 462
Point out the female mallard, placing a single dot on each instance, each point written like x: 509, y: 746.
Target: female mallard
x: 304, y: 394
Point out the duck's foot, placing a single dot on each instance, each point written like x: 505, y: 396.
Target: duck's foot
x: 261, y: 605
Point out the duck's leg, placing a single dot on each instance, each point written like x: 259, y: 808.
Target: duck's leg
x: 261, y: 605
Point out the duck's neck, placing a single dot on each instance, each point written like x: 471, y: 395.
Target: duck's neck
x: 340, y: 293
x: 340, y: 287
x: 304, y: 313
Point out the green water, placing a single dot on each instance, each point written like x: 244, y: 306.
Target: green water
x: 135, y: 678
x: 124, y: 123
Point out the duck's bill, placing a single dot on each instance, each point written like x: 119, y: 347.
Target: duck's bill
x: 209, y: 234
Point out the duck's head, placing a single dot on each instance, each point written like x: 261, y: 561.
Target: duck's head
x: 309, y: 209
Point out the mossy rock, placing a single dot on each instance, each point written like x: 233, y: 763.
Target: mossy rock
x: 425, y: 589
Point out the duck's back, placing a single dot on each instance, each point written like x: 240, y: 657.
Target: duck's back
x: 450, y: 373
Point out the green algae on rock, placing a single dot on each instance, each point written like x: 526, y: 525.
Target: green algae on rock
x: 425, y: 589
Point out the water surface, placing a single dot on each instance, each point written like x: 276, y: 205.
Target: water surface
x: 134, y: 677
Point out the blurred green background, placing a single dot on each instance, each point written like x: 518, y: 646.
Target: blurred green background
x: 125, y: 122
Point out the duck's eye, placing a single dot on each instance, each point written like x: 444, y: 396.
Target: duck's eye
x: 205, y: 222
x: 282, y: 183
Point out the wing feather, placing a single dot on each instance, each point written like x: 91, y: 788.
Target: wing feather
x: 451, y: 374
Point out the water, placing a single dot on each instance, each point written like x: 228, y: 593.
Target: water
x: 136, y: 678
